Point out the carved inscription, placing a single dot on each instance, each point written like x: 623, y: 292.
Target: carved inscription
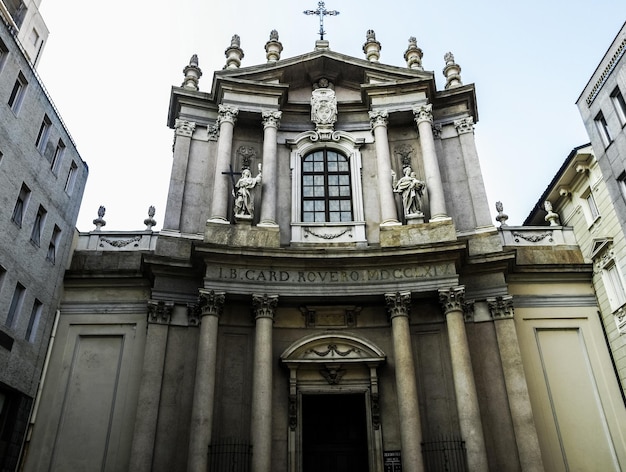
x: 331, y: 276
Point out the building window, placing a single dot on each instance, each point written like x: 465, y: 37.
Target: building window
x: 34, y: 37
x: 42, y: 136
x: 17, y: 94
x: 4, y: 53
x: 33, y: 322
x: 592, y: 208
x: 614, y: 285
x: 326, y: 195
x: 71, y: 178
x: 16, y: 304
x: 54, y: 244
x: 40, y: 219
x: 620, y: 105
x: 57, y: 156
x: 20, y: 205
x: 603, y: 129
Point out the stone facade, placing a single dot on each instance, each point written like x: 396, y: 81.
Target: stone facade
x: 42, y: 179
x: 330, y: 329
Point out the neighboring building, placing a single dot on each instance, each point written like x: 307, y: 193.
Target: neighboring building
x: 42, y: 178
x: 579, y: 198
x: 25, y: 21
x: 345, y: 306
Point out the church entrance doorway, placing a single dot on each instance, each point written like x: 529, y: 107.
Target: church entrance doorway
x: 334, y: 433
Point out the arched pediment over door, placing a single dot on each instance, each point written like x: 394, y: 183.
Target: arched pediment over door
x: 333, y: 363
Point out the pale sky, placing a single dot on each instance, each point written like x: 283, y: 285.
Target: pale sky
x: 109, y: 67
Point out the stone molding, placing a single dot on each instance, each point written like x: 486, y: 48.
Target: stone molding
x: 501, y: 307
x: 452, y: 299
x: 264, y: 305
x: 160, y: 312
x: 211, y: 303
x: 398, y: 304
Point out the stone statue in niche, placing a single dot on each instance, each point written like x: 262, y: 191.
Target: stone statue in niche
x: 412, y: 191
x: 244, y: 201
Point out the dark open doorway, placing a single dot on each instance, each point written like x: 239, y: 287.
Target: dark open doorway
x: 334, y: 433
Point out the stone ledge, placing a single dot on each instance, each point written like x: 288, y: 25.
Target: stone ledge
x: 241, y: 235
x: 413, y: 235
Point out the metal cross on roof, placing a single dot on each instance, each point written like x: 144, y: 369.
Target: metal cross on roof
x: 321, y: 12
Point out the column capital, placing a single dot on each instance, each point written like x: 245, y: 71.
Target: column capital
x: 264, y: 305
x: 184, y: 127
x: 464, y: 125
x: 379, y: 118
x: 452, y: 299
x: 501, y: 307
x: 160, y: 312
x: 398, y: 304
x: 271, y: 118
x: 211, y: 302
x: 227, y: 114
x: 423, y: 113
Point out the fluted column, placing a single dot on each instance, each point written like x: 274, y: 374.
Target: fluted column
x: 464, y: 385
x: 183, y: 130
x: 465, y: 129
x: 142, y: 449
x: 398, y: 305
x: 210, y: 304
x: 388, y: 213
x: 501, y: 310
x: 261, y: 424
x: 434, y: 186
x: 221, y: 188
x: 271, y: 121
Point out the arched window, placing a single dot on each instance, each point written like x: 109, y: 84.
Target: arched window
x: 326, y: 187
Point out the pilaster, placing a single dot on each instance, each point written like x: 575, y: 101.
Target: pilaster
x: 271, y: 122
x: 183, y: 131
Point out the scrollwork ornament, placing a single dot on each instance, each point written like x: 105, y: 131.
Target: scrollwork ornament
x: 404, y: 151
x: 378, y: 118
x: 193, y: 314
x: 159, y: 311
x: 271, y: 118
x: 184, y: 128
x: 452, y: 299
x: 227, y: 114
x: 464, y: 125
x: 398, y: 304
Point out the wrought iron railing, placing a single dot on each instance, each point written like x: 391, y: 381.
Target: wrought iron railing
x: 229, y: 455
x: 445, y: 454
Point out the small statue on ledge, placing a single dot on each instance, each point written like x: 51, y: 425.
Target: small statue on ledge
x: 412, y: 190
x: 244, y: 201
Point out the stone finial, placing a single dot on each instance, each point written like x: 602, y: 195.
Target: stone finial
x: 551, y: 217
x: 99, y: 222
x: 273, y: 47
x: 452, y: 71
x: 413, y: 55
x: 372, y: 48
x: 150, y: 221
x: 234, y: 53
x: 192, y: 74
x: 502, y: 217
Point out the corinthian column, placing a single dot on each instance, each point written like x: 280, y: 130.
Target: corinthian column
x: 501, y: 310
x: 464, y: 385
x: 271, y: 120
x: 424, y: 119
x: 211, y: 304
x: 183, y: 130
x: 219, y: 204
x: 398, y: 305
x: 261, y: 424
x: 388, y: 214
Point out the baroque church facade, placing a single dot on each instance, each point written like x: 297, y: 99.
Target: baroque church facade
x: 328, y: 292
